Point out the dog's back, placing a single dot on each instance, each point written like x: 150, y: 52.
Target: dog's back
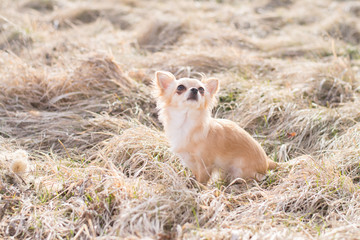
x: 235, y: 151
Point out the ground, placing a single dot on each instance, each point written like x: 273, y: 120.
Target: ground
x: 83, y: 155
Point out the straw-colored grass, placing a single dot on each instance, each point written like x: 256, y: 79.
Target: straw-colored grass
x: 83, y: 155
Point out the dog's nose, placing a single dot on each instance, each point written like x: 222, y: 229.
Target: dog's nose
x: 194, y: 90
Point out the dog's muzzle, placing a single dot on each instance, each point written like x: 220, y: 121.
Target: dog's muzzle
x: 193, y: 94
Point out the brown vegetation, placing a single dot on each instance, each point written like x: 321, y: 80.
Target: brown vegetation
x: 75, y: 94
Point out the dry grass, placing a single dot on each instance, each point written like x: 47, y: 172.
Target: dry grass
x: 83, y: 156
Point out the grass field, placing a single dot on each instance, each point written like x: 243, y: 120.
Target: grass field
x: 83, y: 155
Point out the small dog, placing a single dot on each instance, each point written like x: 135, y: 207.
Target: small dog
x: 204, y: 143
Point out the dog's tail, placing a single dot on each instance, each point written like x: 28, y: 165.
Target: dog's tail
x: 272, y: 165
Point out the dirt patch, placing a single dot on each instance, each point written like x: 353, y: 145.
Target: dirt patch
x: 117, y: 18
x: 278, y: 3
x: 159, y: 35
x: 347, y: 32
x: 76, y: 17
x: 332, y: 91
x: 354, y: 9
x: 273, y: 22
x: 306, y: 20
x: 40, y: 5
x: 273, y: 4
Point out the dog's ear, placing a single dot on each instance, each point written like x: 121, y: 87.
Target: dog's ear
x: 164, y: 79
x: 212, y: 85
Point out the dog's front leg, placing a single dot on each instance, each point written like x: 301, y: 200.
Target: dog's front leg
x: 202, y: 172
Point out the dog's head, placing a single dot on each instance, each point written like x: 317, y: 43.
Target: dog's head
x: 185, y: 92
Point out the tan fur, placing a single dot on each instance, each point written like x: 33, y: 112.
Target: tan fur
x: 202, y: 142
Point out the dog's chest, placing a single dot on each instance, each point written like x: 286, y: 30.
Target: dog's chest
x: 183, y: 129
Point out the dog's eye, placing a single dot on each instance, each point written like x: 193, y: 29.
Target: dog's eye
x: 181, y: 88
x: 201, y: 90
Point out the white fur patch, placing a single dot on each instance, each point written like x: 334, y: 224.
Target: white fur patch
x: 181, y: 125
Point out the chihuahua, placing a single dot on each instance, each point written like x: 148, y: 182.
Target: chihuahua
x: 204, y: 143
